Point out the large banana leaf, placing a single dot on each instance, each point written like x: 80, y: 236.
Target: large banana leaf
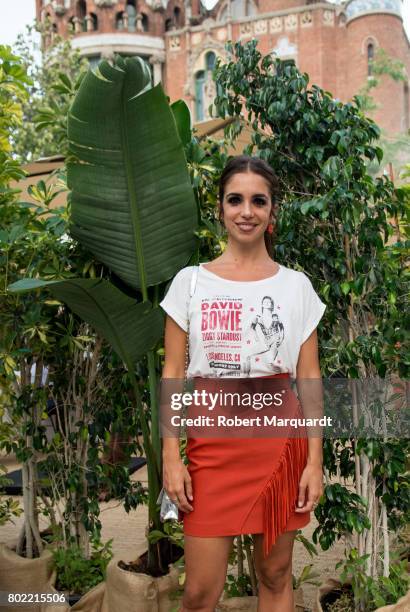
x: 132, y: 201
x: 130, y: 327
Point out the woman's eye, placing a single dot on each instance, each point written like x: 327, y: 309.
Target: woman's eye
x: 237, y: 200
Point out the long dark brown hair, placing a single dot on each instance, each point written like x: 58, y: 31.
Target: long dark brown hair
x: 246, y: 163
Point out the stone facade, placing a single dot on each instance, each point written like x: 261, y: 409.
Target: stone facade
x: 181, y: 39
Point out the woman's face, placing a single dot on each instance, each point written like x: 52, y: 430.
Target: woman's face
x: 247, y: 206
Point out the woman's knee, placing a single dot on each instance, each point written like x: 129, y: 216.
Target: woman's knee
x: 201, y: 596
x: 275, y: 577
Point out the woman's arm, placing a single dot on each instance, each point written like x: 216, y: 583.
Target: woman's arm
x: 311, y: 393
x: 176, y: 479
x: 174, y: 367
x: 309, y: 384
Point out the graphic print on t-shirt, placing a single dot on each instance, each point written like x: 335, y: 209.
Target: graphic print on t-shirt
x: 230, y: 350
x: 265, y: 336
x: 221, y: 330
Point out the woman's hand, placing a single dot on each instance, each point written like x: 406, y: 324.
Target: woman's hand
x: 312, y: 480
x: 177, y: 482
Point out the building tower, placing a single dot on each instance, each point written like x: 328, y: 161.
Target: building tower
x: 373, y: 24
x: 181, y: 39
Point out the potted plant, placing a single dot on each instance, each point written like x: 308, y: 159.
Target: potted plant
x: 75, y: 573
x: 27, y: 568
x: 360, y: 591
x: 54, y: 366
x: 147, y: 159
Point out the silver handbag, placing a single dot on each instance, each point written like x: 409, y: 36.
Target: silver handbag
x: 169, y: 509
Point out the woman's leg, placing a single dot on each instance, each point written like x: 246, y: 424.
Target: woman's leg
x: 206, y: 562
x: 275, y: 573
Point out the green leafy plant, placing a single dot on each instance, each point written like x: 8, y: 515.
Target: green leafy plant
x: 132, y: 171
x: 237, y: 586
x: 340, y: 511
x: 85, y: 404
x: 9, y: 507
x: 372, y: 593
x: 307, y: 576
x: 76, y: 573
x: 352, y: 228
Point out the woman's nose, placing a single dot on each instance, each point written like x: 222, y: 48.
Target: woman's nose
x: 247, y: 209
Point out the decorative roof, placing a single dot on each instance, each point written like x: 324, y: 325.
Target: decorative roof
x: 353, y: 8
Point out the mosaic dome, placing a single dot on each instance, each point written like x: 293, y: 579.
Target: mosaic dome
x: 356, y: 7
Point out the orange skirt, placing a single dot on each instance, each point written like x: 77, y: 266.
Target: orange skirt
x: 246, y: 485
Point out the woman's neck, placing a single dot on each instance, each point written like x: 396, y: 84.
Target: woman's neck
x: 245, y: 257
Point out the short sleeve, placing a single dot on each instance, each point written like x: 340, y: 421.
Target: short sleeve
x: 176, y: 300
x: 313, y: 308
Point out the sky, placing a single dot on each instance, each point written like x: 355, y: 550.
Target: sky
x: 15, y: 14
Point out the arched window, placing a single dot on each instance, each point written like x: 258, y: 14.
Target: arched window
x: 169, y: 24
x: 71, y: 27
x: 119, y: 21
x: 144, y: 22
x: 406, y: 107
x: 210, y: 59
x: 81, y: 14
x: 223, y: 13
x: 205, y: 87
x: 199, y: 95
x: 250, y: 8
x: 370, y: 58
x: 81, y: 9
x: 94, y: 20
x: 238, y: 8
x: 132, y: 15
x: 177, y: 17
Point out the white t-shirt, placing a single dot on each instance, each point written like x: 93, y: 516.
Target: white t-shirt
x: 244, y: 328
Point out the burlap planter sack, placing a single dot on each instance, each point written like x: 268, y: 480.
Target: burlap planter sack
x: 140, y: 592
x: 250, y: 604
x: 129, y: 590
x: 53, y: 607
x: 403, y: 605
x: 21, y: 575
x: 92, y: 601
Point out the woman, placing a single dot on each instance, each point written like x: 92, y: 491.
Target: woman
x: 232, y: 485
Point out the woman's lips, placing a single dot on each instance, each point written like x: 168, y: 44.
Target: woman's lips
x: 246, y: 227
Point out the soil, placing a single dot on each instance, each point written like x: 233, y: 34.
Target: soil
x: 170, y: 554
x: 334, y: 596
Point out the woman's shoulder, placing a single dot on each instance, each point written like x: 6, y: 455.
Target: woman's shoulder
x: 292, y: 274
x: 185, y: 272
x: 296, y: 281
x: 182, y: 279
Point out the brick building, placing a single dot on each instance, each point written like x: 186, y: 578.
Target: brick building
x: 181, y: 39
